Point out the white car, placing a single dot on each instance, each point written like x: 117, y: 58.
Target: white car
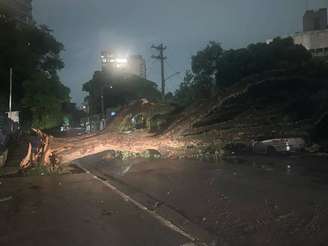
x: 279, y: 145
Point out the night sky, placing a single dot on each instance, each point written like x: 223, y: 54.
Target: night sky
x: 86, y: 27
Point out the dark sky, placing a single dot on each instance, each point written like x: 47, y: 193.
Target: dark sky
x: 86, y: 27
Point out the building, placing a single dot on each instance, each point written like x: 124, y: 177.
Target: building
x: 137, y: 66
x: 134, y: 64
x: 315, y: 20
x: 314, y: 41
x: 315, y: 32
x: 21, y: 10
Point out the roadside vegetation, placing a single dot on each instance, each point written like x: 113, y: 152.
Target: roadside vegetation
x: 34, y: 55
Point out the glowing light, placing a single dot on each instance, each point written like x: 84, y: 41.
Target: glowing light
x: 122, y: 60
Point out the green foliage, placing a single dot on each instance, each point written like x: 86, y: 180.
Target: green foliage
x: 117, y: 90
x: 280, y: 54
x: 200, y: 82
x: 204, y: 63
x: 73, y: 114
x: 44, y: 98
x: 204, y: 67
x: 214, y: 69
x: 34, y: 55
x: 185, y: 93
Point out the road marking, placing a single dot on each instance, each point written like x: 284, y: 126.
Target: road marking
x: 155, y: 215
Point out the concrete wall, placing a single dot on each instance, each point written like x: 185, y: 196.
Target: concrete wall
x: 315, y: 41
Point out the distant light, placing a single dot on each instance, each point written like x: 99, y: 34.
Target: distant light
x: 122, y: 60
x: 113, y: 114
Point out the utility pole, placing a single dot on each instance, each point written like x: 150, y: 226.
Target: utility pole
x: 162, y: 58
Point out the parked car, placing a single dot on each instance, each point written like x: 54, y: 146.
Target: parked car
x: 279, y: 145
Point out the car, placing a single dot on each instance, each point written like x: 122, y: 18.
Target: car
x: 279, y: 145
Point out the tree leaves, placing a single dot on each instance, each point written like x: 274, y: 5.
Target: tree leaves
x: 34, y: 55
x: 214, y: 69
x: 117, y: 90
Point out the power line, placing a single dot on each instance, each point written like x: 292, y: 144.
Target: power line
x: 174, y: 70
x: 149, y: 70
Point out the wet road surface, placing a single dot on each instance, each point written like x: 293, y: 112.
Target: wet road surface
x: 75, y: 210
x: 256, y: 204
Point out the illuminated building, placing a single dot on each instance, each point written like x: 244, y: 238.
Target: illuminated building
x: 134, y: 64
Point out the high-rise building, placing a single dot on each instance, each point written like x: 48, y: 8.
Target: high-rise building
x: 315, y: 32
x: 134, y: 64
x: 21, y: 10
x: 137, y: 66
x: 315, y: 20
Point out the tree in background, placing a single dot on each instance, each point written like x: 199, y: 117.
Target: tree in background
x: 185, y: 94
x: 117, y: 90
x: 204, y: 68
x: 73, y: 114
x: 280, y: 54
x: 214, y: 69
x: 94, y: 88
x: 34, y: 55
x: 44, y: 98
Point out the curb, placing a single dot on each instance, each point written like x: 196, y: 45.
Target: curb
x: 162, y: 212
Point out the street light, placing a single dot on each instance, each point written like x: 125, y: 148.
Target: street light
x: 171, y: 76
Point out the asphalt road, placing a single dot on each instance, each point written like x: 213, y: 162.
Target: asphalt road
x: 76, y: 210
x: 166, y: 202
x: 237, y: 204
